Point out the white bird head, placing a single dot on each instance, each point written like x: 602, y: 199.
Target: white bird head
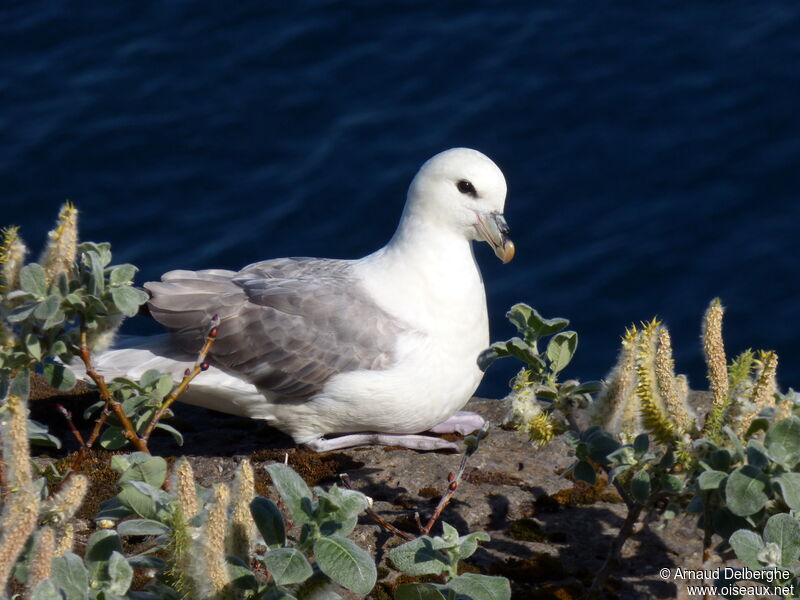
x: 463, y: 191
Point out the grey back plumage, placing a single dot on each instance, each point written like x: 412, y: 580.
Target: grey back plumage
x: 286, y: 325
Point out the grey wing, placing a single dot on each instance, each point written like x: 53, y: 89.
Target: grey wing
x: 286, y: 325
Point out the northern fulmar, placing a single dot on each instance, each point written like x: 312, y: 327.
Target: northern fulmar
x: 373, y: 351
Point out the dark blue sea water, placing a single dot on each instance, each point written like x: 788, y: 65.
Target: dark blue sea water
x: 652, y: 150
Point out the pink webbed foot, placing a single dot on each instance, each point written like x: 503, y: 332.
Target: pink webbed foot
x: 414, y: 442
x: 462, y: 422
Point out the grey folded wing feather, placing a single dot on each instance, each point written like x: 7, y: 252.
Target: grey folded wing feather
x: 286, y: 325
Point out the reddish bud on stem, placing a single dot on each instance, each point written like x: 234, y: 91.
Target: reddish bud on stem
x: 453, y: 486
x: 186, y: 373
x: 213, y: 332
x: 204, y: 366
x: 451, y: 476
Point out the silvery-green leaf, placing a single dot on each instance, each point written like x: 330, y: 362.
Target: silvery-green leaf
x: 54, y: 320
x: 146, y: 561
x: 789, y: 484
x: 584, y: 472
x: 33, y: 279
x: 39, y: 435
x: 710, y: 480
x: 519, y: 315
x: 293, y: 490
x: 149, y: 377
x: 128, y: 299
x: 242, y: 577
x: 481, y: 587
x: 139, y: 502
x: 21, y: 385
x: 640, y: 486
x: 419, y: 557
x: 58, y: 348
x: 339, y: 509
x: 287, y: 565
x: 345, y: 563
x: 561, y: 349
x: 418, y: 591
x: 152, y: 471
x: 72, y: 576
x: 48, y: 307
x: 467, y: 544
x: 122, y: 274
x: 486, y: 358
x: 130, y: 405
x: 747, y: 544
x: 142, y: 527
x: 177, y: 435
x: 112, y: 438
x: 112, y: 509
x: 163, y: 386
x: 120, y: 574
x: 641, y: 444
x: 120, y: 463
x: 96, y: 280
x: 101, y: 545
x: 269, y: 521
x: 757, y: 454
x: 784, y: 530
x: 449, y: 535
x: 672, y: 483
x: 745, y: 491
x: 720, y: 460
x: 785, y: 433
x: 59, y: 376
x: 21, y: 312
x: 46, y: 590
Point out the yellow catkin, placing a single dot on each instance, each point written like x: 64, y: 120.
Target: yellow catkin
x: 12, y: 257
x: 665, y: 377
x: 242, y: 534
x: 540, y: 429
x: 41, y: 562
x: 714, y: 349
x: 62, y: 244
x: 102, y: 337
x: 21, y: 510
x: 652, y: 406
x: 184, y: 486
x: 215, y: 580
x: 682, y: 385
x: 615, y: 408
x: 65, y: 540
x: 763, y: 391
x: 63, y: 505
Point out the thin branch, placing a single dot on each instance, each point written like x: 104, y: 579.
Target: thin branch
x: 199, y: 366
x: 614, y: 552
x: 128, y: 430
x: 454, y: 480
x: 345, y: 478
x: 68, y: 416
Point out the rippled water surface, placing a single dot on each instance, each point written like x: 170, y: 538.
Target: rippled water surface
x: 651, y: 151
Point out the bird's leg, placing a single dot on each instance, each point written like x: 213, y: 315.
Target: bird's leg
x: 462, y: 422
x: 414, y: 442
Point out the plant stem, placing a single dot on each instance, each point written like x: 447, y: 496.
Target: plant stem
x: 708, y: 530
x: 454, y: 481
x: 376, y: 517
x: 634, y: 510
x: 128, y: 430
x: 199, y: 366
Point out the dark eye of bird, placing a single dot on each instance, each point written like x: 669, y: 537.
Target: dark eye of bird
x: 465, y: 187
